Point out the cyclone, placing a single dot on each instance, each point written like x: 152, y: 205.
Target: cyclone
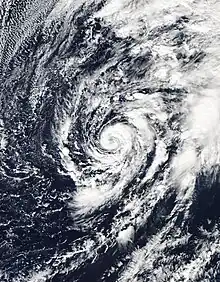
x: 109, y: 141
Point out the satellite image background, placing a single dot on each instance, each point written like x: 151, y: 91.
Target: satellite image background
x: 109, y: 141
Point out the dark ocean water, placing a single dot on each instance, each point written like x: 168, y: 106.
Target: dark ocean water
x: 109, y: 141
